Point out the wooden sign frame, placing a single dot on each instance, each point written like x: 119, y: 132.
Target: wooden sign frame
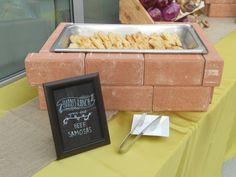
x: 83, y: 114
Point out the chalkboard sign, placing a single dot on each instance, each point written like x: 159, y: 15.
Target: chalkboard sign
x: 77, y: 115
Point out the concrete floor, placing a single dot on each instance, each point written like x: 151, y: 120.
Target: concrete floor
x: 219, y: 27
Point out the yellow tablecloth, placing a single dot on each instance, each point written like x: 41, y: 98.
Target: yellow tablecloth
x: 15, y: 94
x: 196, y: 147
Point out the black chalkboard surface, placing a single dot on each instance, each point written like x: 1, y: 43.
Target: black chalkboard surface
x: 77, y: 115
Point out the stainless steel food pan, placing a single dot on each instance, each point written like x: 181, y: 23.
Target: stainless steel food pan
x: 190, y: 40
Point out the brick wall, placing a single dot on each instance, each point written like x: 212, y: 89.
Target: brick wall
x: 221, y: 8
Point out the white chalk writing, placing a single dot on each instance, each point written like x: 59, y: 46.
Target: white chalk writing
x: 76, y: 116
x: 79, y: 132
x: 75, y: 103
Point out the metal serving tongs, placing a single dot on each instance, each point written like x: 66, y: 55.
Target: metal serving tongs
x: 125, y: 146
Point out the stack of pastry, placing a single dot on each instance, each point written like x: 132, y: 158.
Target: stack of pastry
x: 137, y: 40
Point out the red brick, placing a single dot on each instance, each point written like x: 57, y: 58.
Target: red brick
x: 45, y: 67
x: 127, y: 98
x: 48, y: 44
x: 213, y: 62
x: 173, y: 69
x: 118, y: 98
x: 212, y: 94
x: 42, y: 100
x: 181, y: 98
x: 116, y: 68
x: 220, y: 1
x: 222, y: 10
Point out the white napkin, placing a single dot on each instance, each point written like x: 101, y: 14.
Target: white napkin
x: 158, y: 128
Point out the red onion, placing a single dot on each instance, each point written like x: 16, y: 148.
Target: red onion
x: 161, y: 3
x: 148, y: 3
x: 155, y: 13
x: 171, y: 11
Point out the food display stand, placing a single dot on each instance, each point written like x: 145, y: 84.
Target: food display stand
x: 155, y: 78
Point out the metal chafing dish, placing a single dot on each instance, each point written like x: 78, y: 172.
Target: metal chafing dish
x: 190, y: 40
